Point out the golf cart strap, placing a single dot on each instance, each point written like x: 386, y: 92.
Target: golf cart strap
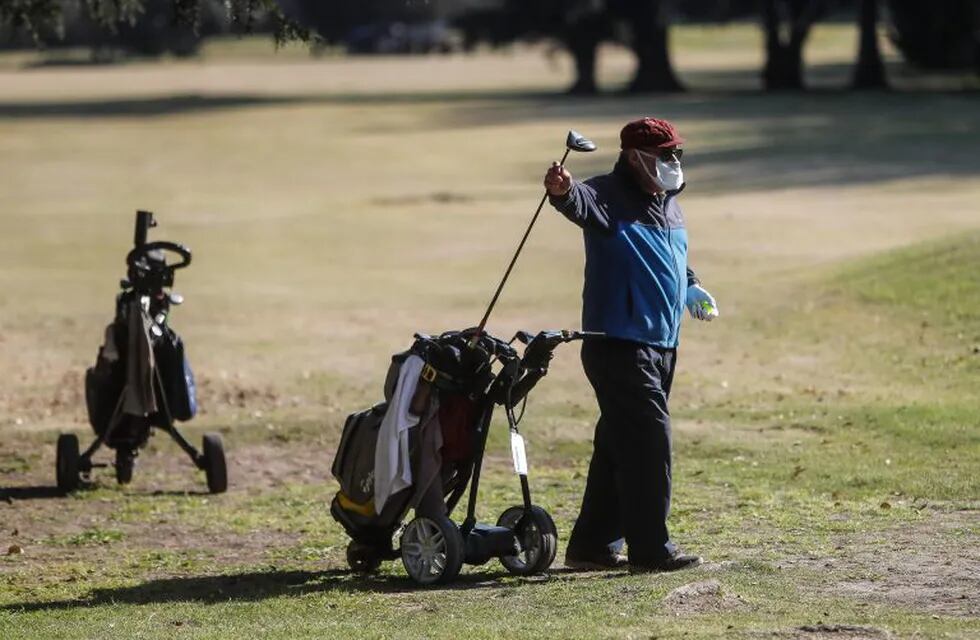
x: 440, y: 379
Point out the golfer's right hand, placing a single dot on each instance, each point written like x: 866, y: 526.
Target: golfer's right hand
x: 558, y: 181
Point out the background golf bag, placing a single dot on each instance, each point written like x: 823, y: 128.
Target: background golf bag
x: 105, y: 382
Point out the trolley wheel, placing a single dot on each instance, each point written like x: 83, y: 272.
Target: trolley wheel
x: 537, y: 540
x: 432, y: 550
x: 362, y: 558
x: 66, y: 463
x: 214, y: 463
x: 125, y: 461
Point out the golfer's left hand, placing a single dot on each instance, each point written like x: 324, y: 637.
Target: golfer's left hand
x: 701, y: 304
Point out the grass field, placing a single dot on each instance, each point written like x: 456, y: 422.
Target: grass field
x: 827, y: 444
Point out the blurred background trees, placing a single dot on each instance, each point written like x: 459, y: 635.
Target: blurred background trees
x: 936, y: 36
x: 940, y: 35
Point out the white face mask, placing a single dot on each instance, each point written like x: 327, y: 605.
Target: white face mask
x: 668, y: 176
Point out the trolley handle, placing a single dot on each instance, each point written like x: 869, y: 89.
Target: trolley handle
x: 160, y: 245
x: 540, y: 347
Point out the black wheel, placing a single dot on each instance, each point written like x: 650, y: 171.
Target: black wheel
x: 214, y: 463
x: 537, y: 540
x: 432, y: 550
x: 66, y: 462
x: 125, y: 461
x: 362, y: 558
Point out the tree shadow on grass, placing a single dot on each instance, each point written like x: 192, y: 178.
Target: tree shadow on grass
x: 176, y: 104
x: 757, y: 141
x: 136, y: 107
x: 749, y: 140
x: 262, y: 585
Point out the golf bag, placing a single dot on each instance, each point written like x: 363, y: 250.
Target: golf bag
x: 354, y: 464
x: 453, y: 389
x: 106, y: 381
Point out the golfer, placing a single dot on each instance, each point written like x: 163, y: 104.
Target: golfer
x: 637, y: 284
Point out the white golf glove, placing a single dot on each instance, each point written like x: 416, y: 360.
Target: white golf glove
x: 700, y: 303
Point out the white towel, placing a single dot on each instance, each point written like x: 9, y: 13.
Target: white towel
x: 392, y: 463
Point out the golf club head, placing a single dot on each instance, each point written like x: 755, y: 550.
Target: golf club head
x: 577, y: 142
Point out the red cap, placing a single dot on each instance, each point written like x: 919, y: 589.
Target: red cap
x: 649, y: 133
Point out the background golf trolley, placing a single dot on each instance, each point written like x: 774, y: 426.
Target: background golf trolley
x: 460, y: 369
x: 141, y: 378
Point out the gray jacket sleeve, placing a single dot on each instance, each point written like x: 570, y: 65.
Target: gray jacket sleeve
x: 584, y: 206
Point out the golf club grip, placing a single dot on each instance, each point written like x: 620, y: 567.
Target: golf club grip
x: 513, y: 261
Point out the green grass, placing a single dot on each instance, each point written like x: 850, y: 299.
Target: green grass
x: 826, y: 440
x: 936, y: 283
x: 90, y: 537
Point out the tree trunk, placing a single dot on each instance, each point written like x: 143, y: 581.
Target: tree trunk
x: 583, y: 40
x: 976, y: 56
x: 784, y: 68
x: 784, y: 57
x: 976, y: 41
x: 654, y: 72
x: 870, y: 70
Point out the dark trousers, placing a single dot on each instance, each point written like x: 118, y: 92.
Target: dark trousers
x: 627, y: 494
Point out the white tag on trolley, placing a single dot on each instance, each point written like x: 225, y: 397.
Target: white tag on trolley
x: 518, y: 453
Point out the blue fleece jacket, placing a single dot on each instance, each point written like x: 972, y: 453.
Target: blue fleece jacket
x: 636, y: 273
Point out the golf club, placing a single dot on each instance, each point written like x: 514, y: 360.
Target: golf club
x: 574, y: 142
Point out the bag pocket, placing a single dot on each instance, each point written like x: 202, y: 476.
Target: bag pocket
x: 103, y: 387
x: 177, y: 377
x: 353, y: 466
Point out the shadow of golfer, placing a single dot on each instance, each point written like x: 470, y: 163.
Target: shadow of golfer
x: 8, y: 494
x: 260, y: 585
x: 11, y: 494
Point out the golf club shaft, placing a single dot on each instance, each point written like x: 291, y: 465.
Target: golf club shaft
x: 510, y: 267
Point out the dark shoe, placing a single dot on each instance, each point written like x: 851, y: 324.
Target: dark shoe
x: 675, y: 562
x: 602, y: 562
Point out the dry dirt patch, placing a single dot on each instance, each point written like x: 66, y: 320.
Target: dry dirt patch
x: 931, y: 565
x: 54, y: 529
x: 705, y: 596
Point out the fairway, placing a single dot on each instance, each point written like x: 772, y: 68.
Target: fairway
x: 826, y: 427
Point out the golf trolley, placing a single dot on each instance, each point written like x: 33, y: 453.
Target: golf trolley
x: 141, y: 378
x: 466, y: 374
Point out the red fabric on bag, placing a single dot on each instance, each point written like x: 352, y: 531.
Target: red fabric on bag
x: 457, y: 415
